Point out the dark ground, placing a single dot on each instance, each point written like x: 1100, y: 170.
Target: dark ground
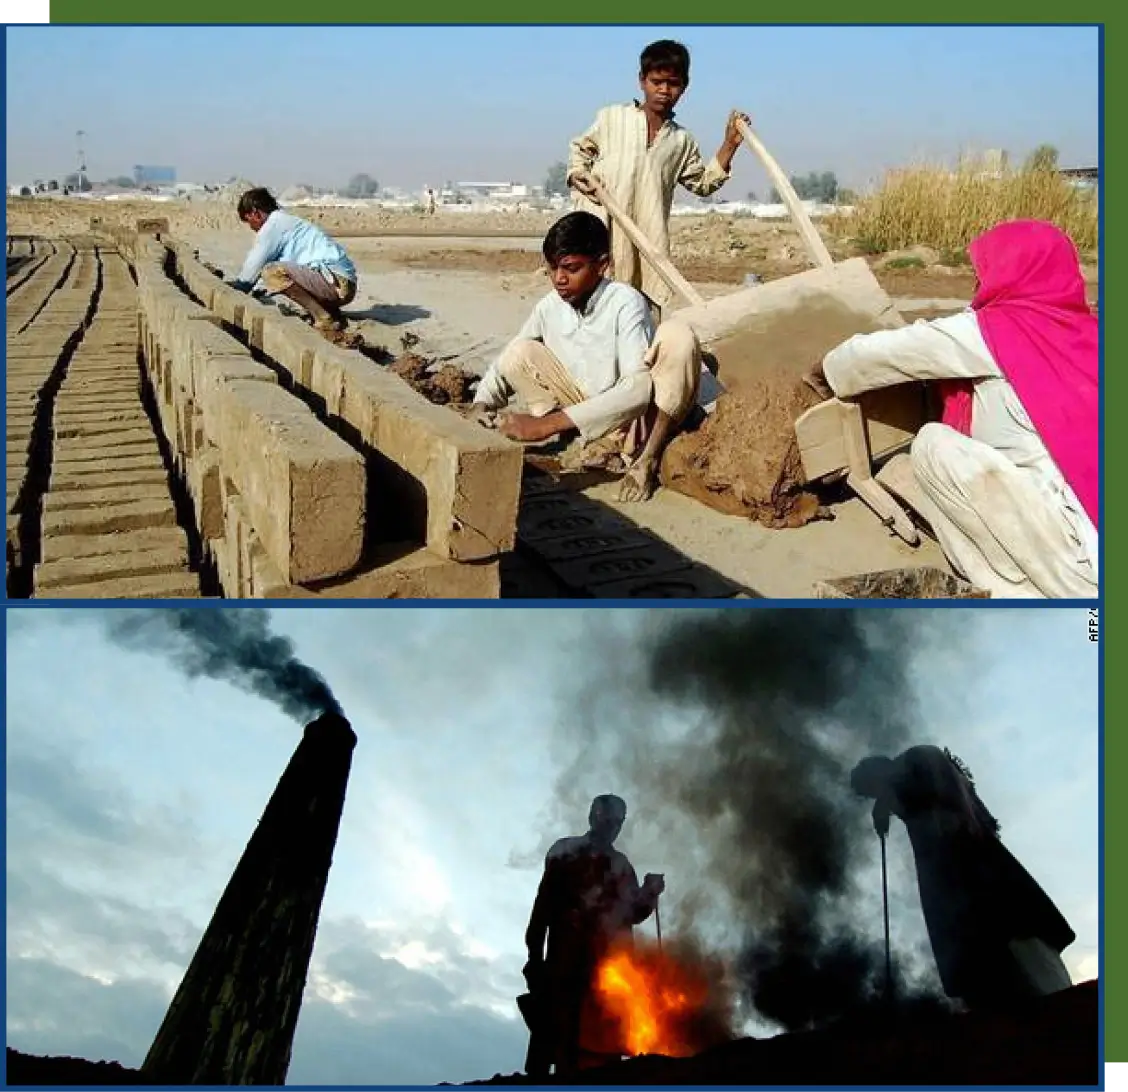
x: 1050, y: 1041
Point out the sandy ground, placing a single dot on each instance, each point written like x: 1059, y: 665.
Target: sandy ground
x: 464, y: 298
x: 457, y: 287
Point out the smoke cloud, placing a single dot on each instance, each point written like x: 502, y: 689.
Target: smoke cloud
x: 738, y: 729
x: 233, y: 645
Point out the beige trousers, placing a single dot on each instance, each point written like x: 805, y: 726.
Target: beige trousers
x: 544, y: 384
x: 278, y: 276
x: 997, y: 524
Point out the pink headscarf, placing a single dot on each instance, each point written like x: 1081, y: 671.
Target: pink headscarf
x: 1037, y: 323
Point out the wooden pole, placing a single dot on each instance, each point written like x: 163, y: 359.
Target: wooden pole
x: 812, y: 240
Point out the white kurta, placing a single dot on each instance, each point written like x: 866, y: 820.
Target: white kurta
x: 642, y: 177
x: 603, y: 349
x: 1001, y: 509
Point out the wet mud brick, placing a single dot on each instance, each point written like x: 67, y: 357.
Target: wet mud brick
x: 694, y: 583
x: 419, y: 574
x: 457, y: 481
x: 558, y: 501
x: 557, y: 516
x: 64, y: 547
x: 653, y: 560
x: 93, y: 569
x: 590, y: 543
x: 303, y: 486
x: 536, y: 485
x: 161, y: 586
x: 114, y: 515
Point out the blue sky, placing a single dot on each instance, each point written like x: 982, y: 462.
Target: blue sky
x: 415, y: 106
x: 132, y: 791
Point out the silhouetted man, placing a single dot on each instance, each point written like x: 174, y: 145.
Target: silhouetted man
x: 588, y: 900
x: 996, y: 935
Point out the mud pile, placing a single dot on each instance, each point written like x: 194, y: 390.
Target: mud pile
x: 744, y: 460
x: 446, y: 386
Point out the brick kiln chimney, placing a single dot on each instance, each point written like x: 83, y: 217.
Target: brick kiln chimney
x: 232, y: 1020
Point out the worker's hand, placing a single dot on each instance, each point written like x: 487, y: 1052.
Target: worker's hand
x: 526, y: 428
x: 477, y: 412
x: 881, y: 814
x: 733, y: 136
x: 654, y: 883
x: 585, y: 184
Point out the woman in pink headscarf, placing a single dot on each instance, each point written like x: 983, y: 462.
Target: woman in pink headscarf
x: 1010, y: 475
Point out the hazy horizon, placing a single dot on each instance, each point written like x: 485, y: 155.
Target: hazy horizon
x: 416, y: 106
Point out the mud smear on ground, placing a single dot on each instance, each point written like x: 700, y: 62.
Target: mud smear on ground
x: 744, y: 460
x: 445, y: 386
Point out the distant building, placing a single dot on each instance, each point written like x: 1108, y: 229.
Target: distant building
x: 497, y: 191
x: 154, y: 176
x: 1082, y: 178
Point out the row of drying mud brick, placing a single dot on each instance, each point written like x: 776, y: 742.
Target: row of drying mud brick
x: 313, y: 471
x: 88, y: 505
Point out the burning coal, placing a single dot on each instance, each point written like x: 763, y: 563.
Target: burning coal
x: 744, y: 726
x: 663, y: 1001
x: 233, y: 645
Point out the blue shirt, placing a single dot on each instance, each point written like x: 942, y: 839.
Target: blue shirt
x: 286, y: 238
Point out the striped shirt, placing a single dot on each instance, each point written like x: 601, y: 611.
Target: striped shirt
x: 642, y: 179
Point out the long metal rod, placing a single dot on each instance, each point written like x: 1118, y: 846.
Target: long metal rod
x: 885, y: 902
x: 658, y: 924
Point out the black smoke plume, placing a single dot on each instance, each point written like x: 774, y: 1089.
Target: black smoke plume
x: 234, y: 645
x: 779, y: 704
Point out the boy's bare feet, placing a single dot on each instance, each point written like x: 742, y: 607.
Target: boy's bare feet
x: 639, y: 482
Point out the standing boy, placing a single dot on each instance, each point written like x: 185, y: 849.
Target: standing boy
x: 640, y: 155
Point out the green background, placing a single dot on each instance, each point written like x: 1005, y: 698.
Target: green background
x: 730, y: 11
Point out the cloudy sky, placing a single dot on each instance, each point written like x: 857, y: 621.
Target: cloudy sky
x: 413, y: 106
x: 132, y: 790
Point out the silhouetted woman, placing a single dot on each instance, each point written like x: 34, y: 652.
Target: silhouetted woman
x: 996, y: 935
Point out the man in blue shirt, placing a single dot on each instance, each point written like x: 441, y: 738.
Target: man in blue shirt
x: 296, y: 259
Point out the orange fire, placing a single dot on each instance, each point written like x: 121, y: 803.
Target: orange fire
x: 654, y: 997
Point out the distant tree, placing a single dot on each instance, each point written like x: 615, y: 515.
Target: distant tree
x: 816, y: 186
x: 1043, y: 158
x: 847, y: 197
x: 362, y: 185
x: 122, y: 182
x: 751, y: 197
x: 73, y: 182
x: 556, y: 181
